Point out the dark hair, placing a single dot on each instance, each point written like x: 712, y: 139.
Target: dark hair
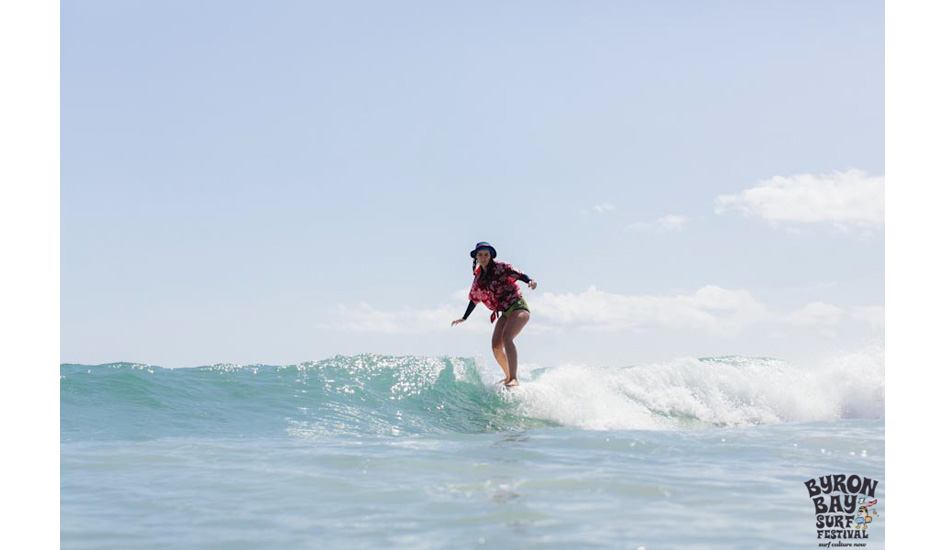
x: 487, y: 273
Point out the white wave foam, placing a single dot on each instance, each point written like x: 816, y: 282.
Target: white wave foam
x: 689, y: 392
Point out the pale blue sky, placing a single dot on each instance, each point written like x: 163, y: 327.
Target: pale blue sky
x: 238, y: 178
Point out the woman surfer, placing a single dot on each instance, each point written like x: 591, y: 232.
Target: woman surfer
x: 494, y: 285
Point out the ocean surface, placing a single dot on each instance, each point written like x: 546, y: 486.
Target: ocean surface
x: 376, y: 451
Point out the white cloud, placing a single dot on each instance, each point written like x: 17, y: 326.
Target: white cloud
x: 711, y: 309
x: 847, y: 199
x: 872, y: 315
x: 669, y: 222
x: 364, y: 318
x: 815, y: 314
x: 825, y: 317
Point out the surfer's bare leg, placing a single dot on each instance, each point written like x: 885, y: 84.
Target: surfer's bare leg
x: 516, y: 321
x: 498, y: 346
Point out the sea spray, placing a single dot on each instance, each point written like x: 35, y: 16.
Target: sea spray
x: 719, y: 391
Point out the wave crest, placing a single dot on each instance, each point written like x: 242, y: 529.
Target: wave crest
x: 386, y: 395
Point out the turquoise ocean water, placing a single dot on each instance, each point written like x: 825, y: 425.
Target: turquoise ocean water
x: 376, y: 451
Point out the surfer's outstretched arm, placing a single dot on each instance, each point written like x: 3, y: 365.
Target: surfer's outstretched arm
x: 471, y: 307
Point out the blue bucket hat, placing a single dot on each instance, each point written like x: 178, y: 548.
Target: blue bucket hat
x: 484, y: 246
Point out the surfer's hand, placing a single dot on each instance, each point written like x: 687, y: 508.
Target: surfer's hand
x: 457, y: 321
x: 532, y: 285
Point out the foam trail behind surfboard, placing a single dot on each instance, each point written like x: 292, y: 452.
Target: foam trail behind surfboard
x: 723, y: 391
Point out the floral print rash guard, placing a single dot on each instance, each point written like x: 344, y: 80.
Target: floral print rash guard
x: 500, y: 291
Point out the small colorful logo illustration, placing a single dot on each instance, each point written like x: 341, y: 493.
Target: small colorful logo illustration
x: 845, y: 506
